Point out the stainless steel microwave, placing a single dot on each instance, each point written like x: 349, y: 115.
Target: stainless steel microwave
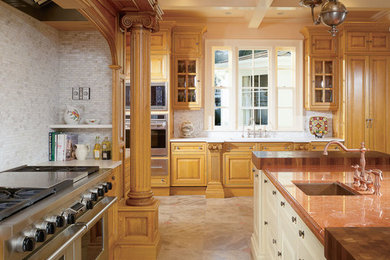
x: 159, y: 96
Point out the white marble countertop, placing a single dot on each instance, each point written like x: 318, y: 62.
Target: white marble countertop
x: 108, y: 164
x: 254, y: 140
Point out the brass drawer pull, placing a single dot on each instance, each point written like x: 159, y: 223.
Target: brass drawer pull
x: 273, y: 241
x: 279, y: 253
x: 301, y: 234
x: 265, y: 181
x: 282, y: 204
x: 200, y: 148
x: 273, y: 192
x: 265, y: 223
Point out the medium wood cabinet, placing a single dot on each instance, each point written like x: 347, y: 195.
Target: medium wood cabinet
x: 237, y: 169
x: 276, y: 147
x: 367, y: 102
x: 159, y: 67
x: 367, y: 41
x: 321, y: 66
x: 188, y: 164
x: 186, y: 68
x: 187, y: 83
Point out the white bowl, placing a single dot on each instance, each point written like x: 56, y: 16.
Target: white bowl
x: 92, y: 121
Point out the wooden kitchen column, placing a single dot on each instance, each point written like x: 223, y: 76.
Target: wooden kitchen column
x: 214, y: 183
x: 139, y: 237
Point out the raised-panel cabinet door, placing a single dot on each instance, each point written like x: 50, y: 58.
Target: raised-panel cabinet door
x: 237, y: 169
x: 379, y: 41
x: 358, y: 41
x: 159, y: 67
x: 357, y: 95
x: 322, y: 44
x: 188, y: 170
x: 187, y: 43
x: 160, y: 41
x: 376, y: 119
x: 289, y: 242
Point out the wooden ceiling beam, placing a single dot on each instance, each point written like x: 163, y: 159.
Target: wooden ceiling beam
x: 259, y: 13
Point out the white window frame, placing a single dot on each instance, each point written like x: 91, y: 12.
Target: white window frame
x: 235, y: 45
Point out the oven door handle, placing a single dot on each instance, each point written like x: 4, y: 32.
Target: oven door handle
x: 92, y: 216
x: 65, y: 238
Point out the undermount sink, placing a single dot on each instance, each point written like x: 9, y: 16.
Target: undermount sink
x: 325, y: 189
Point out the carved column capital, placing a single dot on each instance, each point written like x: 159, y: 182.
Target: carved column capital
x: 146, y: 20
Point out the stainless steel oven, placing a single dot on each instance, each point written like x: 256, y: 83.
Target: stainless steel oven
x: 158, y: 96
x: 87, y: 239
x: 159, y: 135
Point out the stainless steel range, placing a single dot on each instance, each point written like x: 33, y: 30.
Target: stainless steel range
x: 50, y: 212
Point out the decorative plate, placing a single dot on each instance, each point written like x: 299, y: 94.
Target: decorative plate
x: 318, y: 126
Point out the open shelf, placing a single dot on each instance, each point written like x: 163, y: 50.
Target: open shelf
x: 81, y: 126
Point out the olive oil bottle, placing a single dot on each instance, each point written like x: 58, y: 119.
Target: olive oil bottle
x: 106, y: 149
x: 97, y: 150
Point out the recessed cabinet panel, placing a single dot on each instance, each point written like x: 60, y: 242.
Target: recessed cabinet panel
x: 188, y: 170
x: 368, y: 41
x: 380, y: 42
x: 322, y: 44
x: 187, y: 43
x: 160, y: 41
x: 238, y: 169
x: 159, y: 67
x: 357, y: 41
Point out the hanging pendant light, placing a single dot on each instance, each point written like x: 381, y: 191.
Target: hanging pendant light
x: 332, y: 13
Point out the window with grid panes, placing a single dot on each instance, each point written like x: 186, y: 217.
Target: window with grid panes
x: 253, y: 71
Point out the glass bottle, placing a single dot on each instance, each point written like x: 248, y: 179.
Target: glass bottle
x: 97, y: 149
x: 106, y: 149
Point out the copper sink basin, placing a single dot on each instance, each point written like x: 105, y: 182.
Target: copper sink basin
x: 326, y: 189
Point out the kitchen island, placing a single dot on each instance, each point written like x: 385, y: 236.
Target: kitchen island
x: 291, y: 224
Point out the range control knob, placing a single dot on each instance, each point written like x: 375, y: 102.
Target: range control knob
x: 70, y: 218
x: 58, y: 220
x: 88, y: 204
x: 38, y: 234
x: 98, y: 191
x: 90, y: 196
x: 24, y: 244
x: 105, y: 188
x: 108, y: 185
x: 49, y: 227
x: 101, y: 187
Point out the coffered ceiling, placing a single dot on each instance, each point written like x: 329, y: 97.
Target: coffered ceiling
x: 254, y: 12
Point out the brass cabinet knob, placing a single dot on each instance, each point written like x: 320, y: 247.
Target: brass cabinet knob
x: 273, y: 192
x: 301, y: 233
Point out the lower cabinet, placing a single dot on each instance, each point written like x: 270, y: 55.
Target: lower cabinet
x: 279, y: 232
x: 319, y: 146
x: 237, y: 169
x: 188, y: 169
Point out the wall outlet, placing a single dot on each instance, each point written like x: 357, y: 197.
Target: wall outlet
x: 75, y: 93
x: 86, y: 93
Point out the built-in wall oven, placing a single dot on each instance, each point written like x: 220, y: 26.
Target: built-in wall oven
x: 159, y: 135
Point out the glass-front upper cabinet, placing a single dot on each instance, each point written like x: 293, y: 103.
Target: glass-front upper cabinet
x: 323, y: 87
x: 187, y: 84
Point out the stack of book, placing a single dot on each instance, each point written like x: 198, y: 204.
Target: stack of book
x: 62, y: 146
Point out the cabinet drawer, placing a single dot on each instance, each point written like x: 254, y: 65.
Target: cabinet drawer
x: 160, y: 181
x: 319, y: 146
x: 188, y: 147
x: 276, y: 146
x: 301, y: 147
x: 309, y: 245
x: 240, y: 147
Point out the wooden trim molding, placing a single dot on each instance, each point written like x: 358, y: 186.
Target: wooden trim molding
x: 147, y: 20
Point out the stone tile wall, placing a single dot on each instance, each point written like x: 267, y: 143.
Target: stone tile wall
x: 39, y: 66
x: 28, y: 82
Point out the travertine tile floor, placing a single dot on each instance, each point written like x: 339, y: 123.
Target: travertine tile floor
x: 193, y: 227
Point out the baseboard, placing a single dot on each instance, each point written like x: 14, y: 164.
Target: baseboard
x: 238, y: 192
x: 161, y: 191
x: 188, y: 191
